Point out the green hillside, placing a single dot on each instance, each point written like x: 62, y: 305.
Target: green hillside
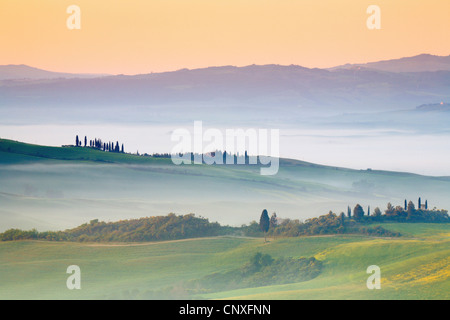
x: 54, y: 188
x: 413, y: 267
x: 51, y: 188
x: 18, y: 152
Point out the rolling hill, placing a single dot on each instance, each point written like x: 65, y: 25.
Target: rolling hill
x: 413, y: 267
x: 54, y: 188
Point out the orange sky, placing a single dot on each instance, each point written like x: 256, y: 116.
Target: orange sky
x: 141, y: 36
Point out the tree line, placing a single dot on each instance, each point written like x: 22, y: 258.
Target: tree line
x: 354, y: 222
x: 406, y: 213
x: 110, y: 146
x: 173, y: 227
x: 100, y: 145
x: 170, y: 227
x: 328, y: 224
x: 214, y: 157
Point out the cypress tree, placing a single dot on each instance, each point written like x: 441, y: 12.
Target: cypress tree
x: 264, y: 223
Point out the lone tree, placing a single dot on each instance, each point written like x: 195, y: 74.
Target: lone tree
x: 358, y: 212
x: 390, y: 209
x: 377, y: 212
x: 77, y: 141
x: 264, y: 223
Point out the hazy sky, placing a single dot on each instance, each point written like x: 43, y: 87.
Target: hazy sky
x: 141, y: 36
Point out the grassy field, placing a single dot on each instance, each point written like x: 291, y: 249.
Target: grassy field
x: 416, y: 266
x: 51, y: 188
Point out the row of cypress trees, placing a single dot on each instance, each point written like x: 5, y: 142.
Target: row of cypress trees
x: 358, y: 211
x: 100, y: 145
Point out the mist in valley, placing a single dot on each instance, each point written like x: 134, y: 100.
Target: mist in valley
x: 409, y: 140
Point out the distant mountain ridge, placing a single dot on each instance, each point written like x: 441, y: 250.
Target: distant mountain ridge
x: 253, y: 86
x: 21, y: 72
x: 262, y: 86
x: 419, y: 63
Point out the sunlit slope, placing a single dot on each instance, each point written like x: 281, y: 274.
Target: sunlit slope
x: 411, y: 268
x: 414, y: 267
x: 52, y: 188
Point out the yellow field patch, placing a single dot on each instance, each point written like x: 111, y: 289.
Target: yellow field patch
x: 436, y: 271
